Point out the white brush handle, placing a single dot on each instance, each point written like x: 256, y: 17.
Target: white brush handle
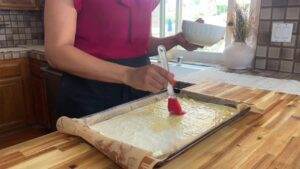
x: 164, y: 62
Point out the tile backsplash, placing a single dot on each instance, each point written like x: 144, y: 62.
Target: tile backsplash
x: 282, y: 57
x: 18, y: 27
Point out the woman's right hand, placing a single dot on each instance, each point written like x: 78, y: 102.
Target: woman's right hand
x: 150, y: 78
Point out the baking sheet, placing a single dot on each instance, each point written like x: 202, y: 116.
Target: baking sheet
x: 153, y: 129
x: 131, y: 156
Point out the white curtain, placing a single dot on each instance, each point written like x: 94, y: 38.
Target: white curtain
x: 254, y: 11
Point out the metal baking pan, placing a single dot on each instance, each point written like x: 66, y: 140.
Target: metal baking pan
x: 208, y: 99
x: 241, y: 107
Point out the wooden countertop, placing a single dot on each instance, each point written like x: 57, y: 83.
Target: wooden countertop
x: 269, y: 139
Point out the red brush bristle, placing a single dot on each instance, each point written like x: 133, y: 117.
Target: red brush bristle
x: 174, y: 107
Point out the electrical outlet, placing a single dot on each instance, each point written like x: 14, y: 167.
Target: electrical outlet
x: 282, y: 32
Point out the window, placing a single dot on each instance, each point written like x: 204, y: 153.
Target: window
x: 170, y: 19
x: 164, y: 26
x: 168, y: 16
x: 212, y: 11
x: 156, y: 22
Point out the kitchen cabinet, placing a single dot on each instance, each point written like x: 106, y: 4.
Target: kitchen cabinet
x: 52, y: 78
x: 45, y: 84
x: 19, y: 4
x: 24, y: 92
x: 15, y: 109
x: 39, y: 95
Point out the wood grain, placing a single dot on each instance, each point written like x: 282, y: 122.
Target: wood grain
x: 266, y: 139
x: 10, y: 69
x: 15, y: 94
x: 20, y: 135
x: 39, y: 93
x: 19, y: 4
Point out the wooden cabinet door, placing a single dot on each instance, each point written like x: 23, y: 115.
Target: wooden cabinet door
x: 19, y: 4
x: 52, y: 78
x: 15, y: 96
x: 39, y: 93
x: 40, y: 102
x: 12, y: 103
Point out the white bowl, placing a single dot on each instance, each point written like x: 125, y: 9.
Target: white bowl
x: 202, y: 34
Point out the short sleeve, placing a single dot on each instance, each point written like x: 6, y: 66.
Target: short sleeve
x: 155, y: 4
x: 78, y: 5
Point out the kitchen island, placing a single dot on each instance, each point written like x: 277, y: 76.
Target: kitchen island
x: 267, y: 137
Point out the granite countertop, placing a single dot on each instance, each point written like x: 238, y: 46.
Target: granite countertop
x: 22, y: 51
x: 37, y: 48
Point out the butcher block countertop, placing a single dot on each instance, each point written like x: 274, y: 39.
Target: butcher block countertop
x: 268, y: 138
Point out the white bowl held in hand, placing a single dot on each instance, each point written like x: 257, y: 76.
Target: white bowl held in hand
x: 202, y: 34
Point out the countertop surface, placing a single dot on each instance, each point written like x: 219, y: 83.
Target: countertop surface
x: 39, y: 48
x: 36, y: 52
x: 269, y: 138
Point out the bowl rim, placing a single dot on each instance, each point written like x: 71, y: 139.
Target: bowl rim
x: 194, y: 22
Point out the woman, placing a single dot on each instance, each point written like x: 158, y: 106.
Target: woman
x: 103, y: 45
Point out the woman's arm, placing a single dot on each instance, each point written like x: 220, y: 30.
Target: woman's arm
x: 60, y: 30
x: 172, y: 41
x: 169, y: 43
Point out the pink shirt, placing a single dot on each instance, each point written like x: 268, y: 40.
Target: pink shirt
x: 114, y: 29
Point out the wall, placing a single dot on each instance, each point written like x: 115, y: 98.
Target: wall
x: 21, y: 28
x: 282, y: 57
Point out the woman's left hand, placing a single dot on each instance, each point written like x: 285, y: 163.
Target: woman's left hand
x: 185, y: 44
x: 172, y: 41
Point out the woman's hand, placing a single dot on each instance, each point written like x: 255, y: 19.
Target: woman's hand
x: 172, y: 41
x: 184, y: 43
x: 150, y: 78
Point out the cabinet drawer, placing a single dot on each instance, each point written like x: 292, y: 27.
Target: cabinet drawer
x: 10, y: 69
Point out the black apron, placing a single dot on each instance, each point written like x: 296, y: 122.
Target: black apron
x: 80, y: 97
